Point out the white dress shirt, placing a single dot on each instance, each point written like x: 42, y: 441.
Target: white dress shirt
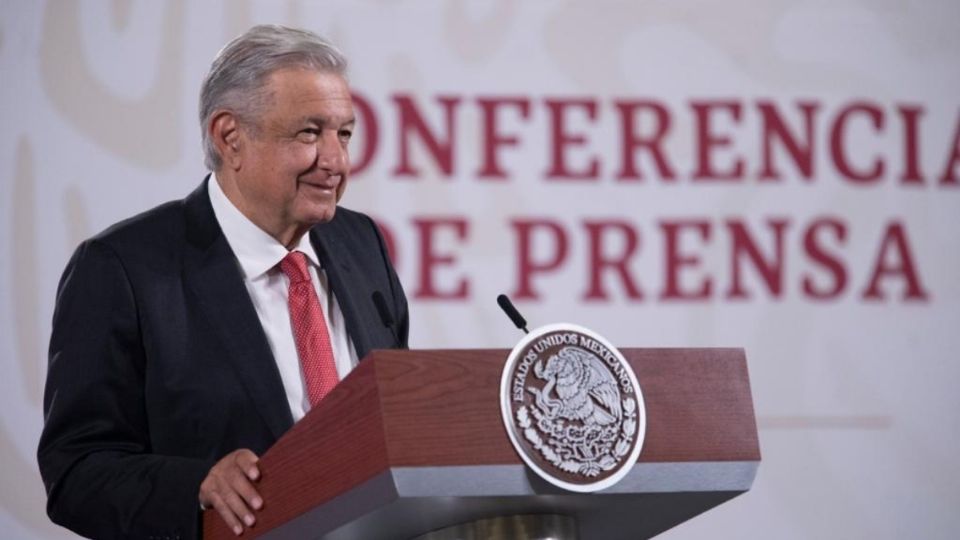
x: 259, y: 256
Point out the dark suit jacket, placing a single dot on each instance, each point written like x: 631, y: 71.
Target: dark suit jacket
x: 159, y: 365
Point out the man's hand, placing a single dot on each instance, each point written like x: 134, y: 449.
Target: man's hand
x: 229, y: 488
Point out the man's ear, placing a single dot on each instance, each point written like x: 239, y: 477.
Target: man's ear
x: 225, y: 134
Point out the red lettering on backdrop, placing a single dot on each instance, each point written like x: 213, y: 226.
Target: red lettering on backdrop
x: 829, y: 261
x: 430, y: 260
x: 950, y: 177
x: 612, y: 245
x: 707, y: 141
x: 642, y: 130
x: 773, y: 127
x: 838, y: 149
x: 911, y: 159
x: 493, y: 140
x: 770, y: 270
x: 526, y: 265
x: 895, y: 242
x: 600, y: 260
x: 631, y: 140
x: 410, y: 121
x: 370, y: 131
x: 675, y: 260
x: 561, y: 140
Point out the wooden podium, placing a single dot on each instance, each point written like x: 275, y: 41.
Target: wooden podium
x: 413, y: 441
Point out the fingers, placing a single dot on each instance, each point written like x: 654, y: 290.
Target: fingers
x: 247, y: 461
x: 229, y: 489
x: 243, y: 487
x: 227, y: 514
x: 239, y: 508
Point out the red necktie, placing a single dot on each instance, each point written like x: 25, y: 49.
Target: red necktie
x: 309, y: 329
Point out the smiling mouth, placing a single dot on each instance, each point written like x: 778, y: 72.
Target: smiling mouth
x: 325, y: 186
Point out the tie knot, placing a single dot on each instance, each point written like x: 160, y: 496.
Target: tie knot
x: 294, y: 265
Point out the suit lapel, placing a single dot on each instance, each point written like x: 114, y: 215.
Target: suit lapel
x: 212, y: 273
x: 337, y: 265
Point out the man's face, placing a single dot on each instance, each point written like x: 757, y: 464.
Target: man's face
x: 294, y: 162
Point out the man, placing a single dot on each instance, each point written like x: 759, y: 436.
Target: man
x: 187, y: 339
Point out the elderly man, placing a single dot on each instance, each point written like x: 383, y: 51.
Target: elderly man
x: 187, y: 339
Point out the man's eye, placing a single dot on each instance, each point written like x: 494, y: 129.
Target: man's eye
x: 308, y: 135
x: 345, y: 134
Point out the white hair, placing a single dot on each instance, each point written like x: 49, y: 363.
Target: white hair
x: 238, y: 75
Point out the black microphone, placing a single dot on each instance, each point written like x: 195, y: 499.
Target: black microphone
x: 385, y: 317
x: 507, y: 306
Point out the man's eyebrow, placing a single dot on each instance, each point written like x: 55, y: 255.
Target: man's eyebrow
x: 326, y: 120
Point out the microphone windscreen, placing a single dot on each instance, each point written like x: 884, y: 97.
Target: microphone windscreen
x: 382, y: 309
x: 507, y: 306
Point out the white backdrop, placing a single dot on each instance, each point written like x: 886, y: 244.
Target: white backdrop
x: 848, y: 304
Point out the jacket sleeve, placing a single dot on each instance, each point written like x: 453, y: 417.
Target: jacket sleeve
x: 95, y: 455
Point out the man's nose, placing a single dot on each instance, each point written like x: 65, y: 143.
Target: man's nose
x: 332, y: 153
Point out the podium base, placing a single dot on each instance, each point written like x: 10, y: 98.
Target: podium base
x: 522, y: 527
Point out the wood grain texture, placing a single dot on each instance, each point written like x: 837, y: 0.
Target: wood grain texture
x: 441, y: 408
x: 699, y: 406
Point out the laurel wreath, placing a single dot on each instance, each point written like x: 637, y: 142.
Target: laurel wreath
x: 553, y: 452
x: 628, y: 428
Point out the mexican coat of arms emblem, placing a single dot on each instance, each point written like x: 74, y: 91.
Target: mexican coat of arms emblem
x: 572, y: 407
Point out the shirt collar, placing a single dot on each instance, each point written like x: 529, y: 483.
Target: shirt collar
x: 256, y: 251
